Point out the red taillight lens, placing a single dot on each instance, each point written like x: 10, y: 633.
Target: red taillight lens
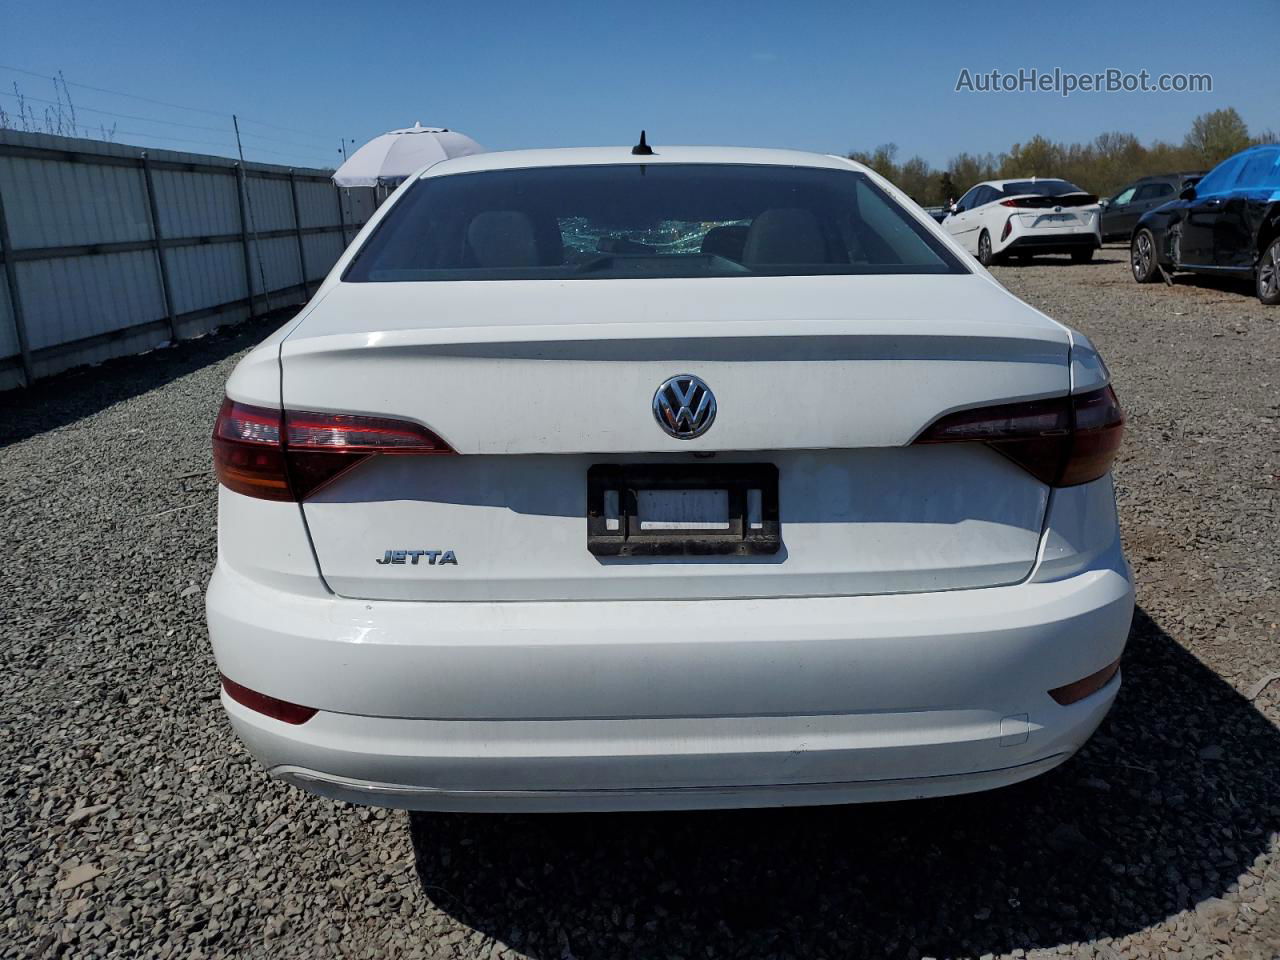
x: 321, y: 446
x: 247, y: 454
x: 1008, y: 229
x: 270, y: 706
x: 262, y: 453
x: 1012, y: 203
x: 1099, y: 428
x: 1062, y: 442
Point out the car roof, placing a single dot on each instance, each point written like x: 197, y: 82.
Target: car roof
x: 596, y: 156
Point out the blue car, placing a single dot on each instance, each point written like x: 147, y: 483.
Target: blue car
x: 1227, y: 224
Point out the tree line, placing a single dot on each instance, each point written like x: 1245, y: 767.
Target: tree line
x: 1101, y: 166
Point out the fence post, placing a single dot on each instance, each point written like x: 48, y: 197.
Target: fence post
x: 342, y: 217
x: 297, y: 230
x: 154, y: 212
x: 244, y: 235
x: 15, y: 299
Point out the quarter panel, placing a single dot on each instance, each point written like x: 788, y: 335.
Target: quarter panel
x: 266, y: 542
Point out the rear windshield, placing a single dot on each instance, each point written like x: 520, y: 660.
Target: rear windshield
x: 1039, y: 188
x: 651, y: 220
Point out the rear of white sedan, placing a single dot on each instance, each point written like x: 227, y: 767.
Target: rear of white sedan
x: 1047, y: 216
x: 1000, y: 219
x: 706, y: 478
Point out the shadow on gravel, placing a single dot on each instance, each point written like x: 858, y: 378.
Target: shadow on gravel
x: 1049, y: 261
x: 1166, y: 806
x: 1233, y: 285
x: 82, y: 392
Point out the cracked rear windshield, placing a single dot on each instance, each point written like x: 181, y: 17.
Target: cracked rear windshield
x: 647, y: 220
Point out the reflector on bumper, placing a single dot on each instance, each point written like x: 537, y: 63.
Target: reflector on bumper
x: 270, y: 706
x: 1086, y: 685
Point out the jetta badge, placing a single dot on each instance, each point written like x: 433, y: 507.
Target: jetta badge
x: 684, y: 406
x: 434, y: 557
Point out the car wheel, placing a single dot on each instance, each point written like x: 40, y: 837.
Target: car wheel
x: 985, y: 257
x: 1082, y: 256
x: 1269, y: 274
x: 1142, y: 257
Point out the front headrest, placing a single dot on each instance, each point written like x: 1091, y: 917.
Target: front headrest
x: 785, y: 235
x: 503, y: 238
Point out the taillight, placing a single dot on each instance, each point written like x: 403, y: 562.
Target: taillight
x: 1019, y: 202
x: 1008, y: 228
x: 319, y: 447
x: 263, y: 453
x: 1099, y: 427
x: 1062, y: 442
x: 247, y: 454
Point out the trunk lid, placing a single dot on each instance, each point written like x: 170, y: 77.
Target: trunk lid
x: 828, y: 379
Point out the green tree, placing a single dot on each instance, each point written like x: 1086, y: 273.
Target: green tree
x: 880, y: 160
x: 1038, y: 157
x: 966, y: 169
x: 1217, y: 135
x: 1114, y: 156
x: 915, y: 179
x: 1102, y: 165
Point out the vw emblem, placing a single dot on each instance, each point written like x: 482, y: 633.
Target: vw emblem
x: 684, y: 406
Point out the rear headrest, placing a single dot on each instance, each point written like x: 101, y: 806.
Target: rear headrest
x: 785, y: 235
x: 503, y: 238
x: 726, y: 241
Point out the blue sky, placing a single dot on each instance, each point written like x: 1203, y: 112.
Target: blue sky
x: 822, y: 76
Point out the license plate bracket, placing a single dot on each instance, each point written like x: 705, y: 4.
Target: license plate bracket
x: 615, y: 528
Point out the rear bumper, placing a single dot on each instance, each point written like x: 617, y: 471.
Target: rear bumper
x: 1047, y: 239
x: 652, y: 704
x: 1057, y: 242
x: 692, y: 763
x: 415, y: 797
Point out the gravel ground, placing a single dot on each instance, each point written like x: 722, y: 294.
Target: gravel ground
x: 133, y: 823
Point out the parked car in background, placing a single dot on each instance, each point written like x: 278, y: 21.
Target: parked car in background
x: 1120, y: 214
x: 1002, y: 218
x: 693, y: 477
x: 1227, y: 224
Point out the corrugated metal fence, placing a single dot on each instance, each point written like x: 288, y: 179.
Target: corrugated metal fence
x: 109, y: 250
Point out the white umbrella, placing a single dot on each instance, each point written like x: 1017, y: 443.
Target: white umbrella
x: 397, y: 154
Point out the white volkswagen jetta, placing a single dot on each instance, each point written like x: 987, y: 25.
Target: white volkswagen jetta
x: 706, y: 478
x: 1021, y: 218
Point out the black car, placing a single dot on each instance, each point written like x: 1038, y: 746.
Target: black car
x: 1227, y: 224
x: 1120, y: 213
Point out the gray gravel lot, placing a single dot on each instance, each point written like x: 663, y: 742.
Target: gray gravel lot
x: 133, y: 824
